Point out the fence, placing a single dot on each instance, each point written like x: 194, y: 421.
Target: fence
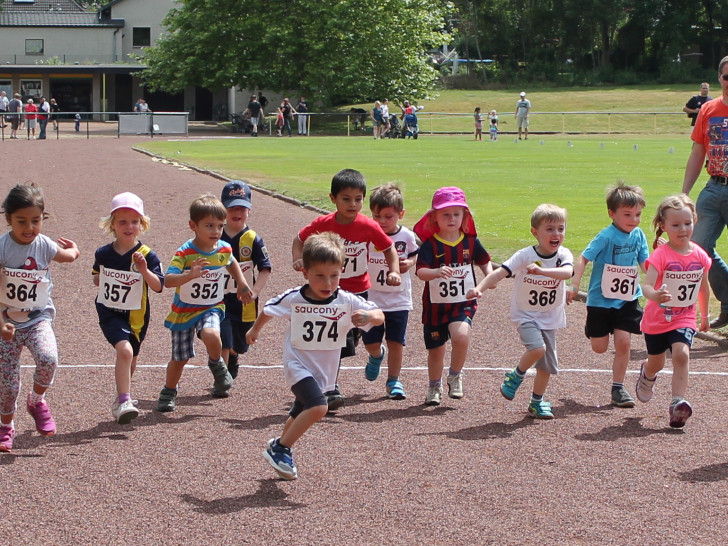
x: 127, y: 123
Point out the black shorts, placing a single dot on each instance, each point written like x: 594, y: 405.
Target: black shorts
x: 601, y: 321
x: 308, y: 395
x: 437, y: 336
x: 658, y: 344
x: 232, y: 334
x: 116, y: 328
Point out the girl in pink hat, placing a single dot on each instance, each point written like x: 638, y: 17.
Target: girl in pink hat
x: 446, y: 261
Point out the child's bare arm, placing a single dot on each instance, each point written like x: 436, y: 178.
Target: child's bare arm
x: 490, y: 281
x: 393, y: 277
x: 260, y: 282
x: 150, y: 278
x: 558, y: 273
x: 67, y: 251
x: 579, y: 269
x: 297, y: 253
x: 251, y: 337
x: 362, y: 317
x: 244, y: 293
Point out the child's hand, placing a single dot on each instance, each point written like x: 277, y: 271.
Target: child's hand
x: 251, y: 337
x: 660, y: 241
x: 245, y: 294
x: 66, y: 243
x: 534, y: 269
x: 7, y: 331
x: 473, y: 293
x: 571, y: 294
x: 360, y: 317
x: 405, y: 264
x: 298, y: 264
x: 704, y: 324
x: 393, y: 279
x: 662, y: 295
x: 445, y: 272
x: 140, y: 262
x: 197, y: 266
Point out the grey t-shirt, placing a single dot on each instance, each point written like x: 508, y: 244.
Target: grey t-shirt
x: 36, y: 256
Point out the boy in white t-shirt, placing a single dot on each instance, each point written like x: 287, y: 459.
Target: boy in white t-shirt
x: 537, y: 303
x: 387, y: 206
x: 320, y: 314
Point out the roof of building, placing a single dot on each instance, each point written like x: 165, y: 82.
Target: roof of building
x: 51, y: 13
x: 64, y: 6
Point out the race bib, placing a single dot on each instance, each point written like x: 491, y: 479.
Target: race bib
x: 231, y: 287
x: 207, y: 289
x: 319, y: 327
x: 355, y: 260
x: 24, y: 289
x: 683, y: 286
x: 539, y: 293
x: 120, y: 289
x: 378, y: 270
x: 620, y: 282
x: 453, y: 290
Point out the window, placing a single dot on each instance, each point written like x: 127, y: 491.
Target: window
x: 141, y: 37
x: 34, y: 46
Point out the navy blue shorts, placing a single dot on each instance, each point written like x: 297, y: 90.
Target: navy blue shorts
x: 437, y: 336
x: 395, y: 326
x: 308, y: 395
x: 658, y: 344
x: 116, y: 329
x: 232, y: 333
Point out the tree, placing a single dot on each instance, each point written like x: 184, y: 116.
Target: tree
x: 344, y: 51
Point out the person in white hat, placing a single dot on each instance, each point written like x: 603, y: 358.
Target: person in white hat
x: 523, y: 107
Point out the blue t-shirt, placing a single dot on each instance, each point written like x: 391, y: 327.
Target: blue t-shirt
x: 615, y: 247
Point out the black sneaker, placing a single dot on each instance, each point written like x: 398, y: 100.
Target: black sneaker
x: 720, y: 321
x: 233, y: 365
x: 334, y: 399
x: 167, y: 400
x: 621, y: 398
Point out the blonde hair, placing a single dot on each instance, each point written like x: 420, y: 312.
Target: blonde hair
x: 107, y: 222
x: 672, y: 202
x: 326, y: 247
x: 547, y: 213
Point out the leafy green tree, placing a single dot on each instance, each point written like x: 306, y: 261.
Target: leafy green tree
x: 349, y: 50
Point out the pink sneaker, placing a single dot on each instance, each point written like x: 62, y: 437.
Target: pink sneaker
x: 44, y: 423
x: 6, y: 438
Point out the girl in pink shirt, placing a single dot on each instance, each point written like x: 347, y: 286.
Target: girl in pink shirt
x: 677, y: 279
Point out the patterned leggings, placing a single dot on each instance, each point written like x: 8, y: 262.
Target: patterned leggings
x: 41, y: 342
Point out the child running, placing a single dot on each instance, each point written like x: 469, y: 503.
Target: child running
x: 27, y: 308
x: 612, y: 303
x: 676, y: 279
x: 537, y: 303
x: 445, y: 262
x: 319, y: 314
x: 249, y: 250
x: 478, y: 124
x: 387, y: 206
x: 123, y: 271
x: 348, y: 189
x: 197, y: 273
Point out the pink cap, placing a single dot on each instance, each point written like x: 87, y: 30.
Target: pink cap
x: 449, y: 197
x: 127, y: 200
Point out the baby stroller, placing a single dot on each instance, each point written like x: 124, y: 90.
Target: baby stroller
x: 410, y: 126
x: 395, y: 129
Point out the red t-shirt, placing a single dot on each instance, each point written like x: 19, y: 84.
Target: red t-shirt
x: 357, y: 235
x: 30, y: 108
x: 711, y: 130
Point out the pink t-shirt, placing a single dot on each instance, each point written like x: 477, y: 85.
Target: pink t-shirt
x: 664, y: 258
x: 357, y: 236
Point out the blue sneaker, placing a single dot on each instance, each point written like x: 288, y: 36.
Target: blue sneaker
x: 540, y: 409
x: 510, y: 384
x: 281, y: 459
x: 371, y: 370
x: 395, y: 390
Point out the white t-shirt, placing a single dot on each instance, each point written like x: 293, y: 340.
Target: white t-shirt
x: 534, y: 292
x: 392, y: 298
x: 335, y: 321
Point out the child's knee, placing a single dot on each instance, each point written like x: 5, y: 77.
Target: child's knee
x: 600, y: 344
x: 211, y: 338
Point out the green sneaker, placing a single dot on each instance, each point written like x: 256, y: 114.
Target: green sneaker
x: 167, y: 400
x: 540, y: 409
x: 223, y: 381
x: 510, y: 384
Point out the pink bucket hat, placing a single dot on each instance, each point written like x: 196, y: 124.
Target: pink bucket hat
x: 449, y: 196
x: 127, y: 200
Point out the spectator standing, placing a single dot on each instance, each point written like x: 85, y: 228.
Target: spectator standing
x: 302, y: 109
x: 692, y: 107
x: 710, y: 141
x: 15, y: 107
x: 55, y: 108
x: 263, y: 101
x: 288, y: 111
x: 523, y: 108
x: 4, y: 102
x: 376, y: 119
x: 385, y: 118
x: 254, y: 110
x: 44, y: 110
x: 30, y: 115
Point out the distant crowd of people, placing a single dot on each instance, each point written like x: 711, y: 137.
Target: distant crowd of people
x: 27, y: 117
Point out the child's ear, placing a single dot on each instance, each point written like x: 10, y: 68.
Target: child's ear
x: 332, y: 197
x: 193, y: 225
x: 534, y: 231
x: 401, y: 214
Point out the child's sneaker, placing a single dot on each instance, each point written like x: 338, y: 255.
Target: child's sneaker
x: 540, y: 409
x: 371, y: 370
x: 125, y: 412
x: 232, y: 365
x: 643, y: 389
x: 434, y: 396
x: 334, y: 399
x: 7, y: 433
x: 680, y: 413
x: 395, y: 390
x: 621, y: 398
x: 223, y: 381
x: 41, y: 413
x: 510, y: 385
x: 167, y: 400
x: 455, y: 386
x: 281, y: 459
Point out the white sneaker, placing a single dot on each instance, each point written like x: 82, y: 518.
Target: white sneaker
x: 644, y: 388
x: 124, y: 413
x: 434, y: 396
x: 455, y: 386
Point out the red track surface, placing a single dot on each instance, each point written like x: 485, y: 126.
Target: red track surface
x: 477, y: 470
